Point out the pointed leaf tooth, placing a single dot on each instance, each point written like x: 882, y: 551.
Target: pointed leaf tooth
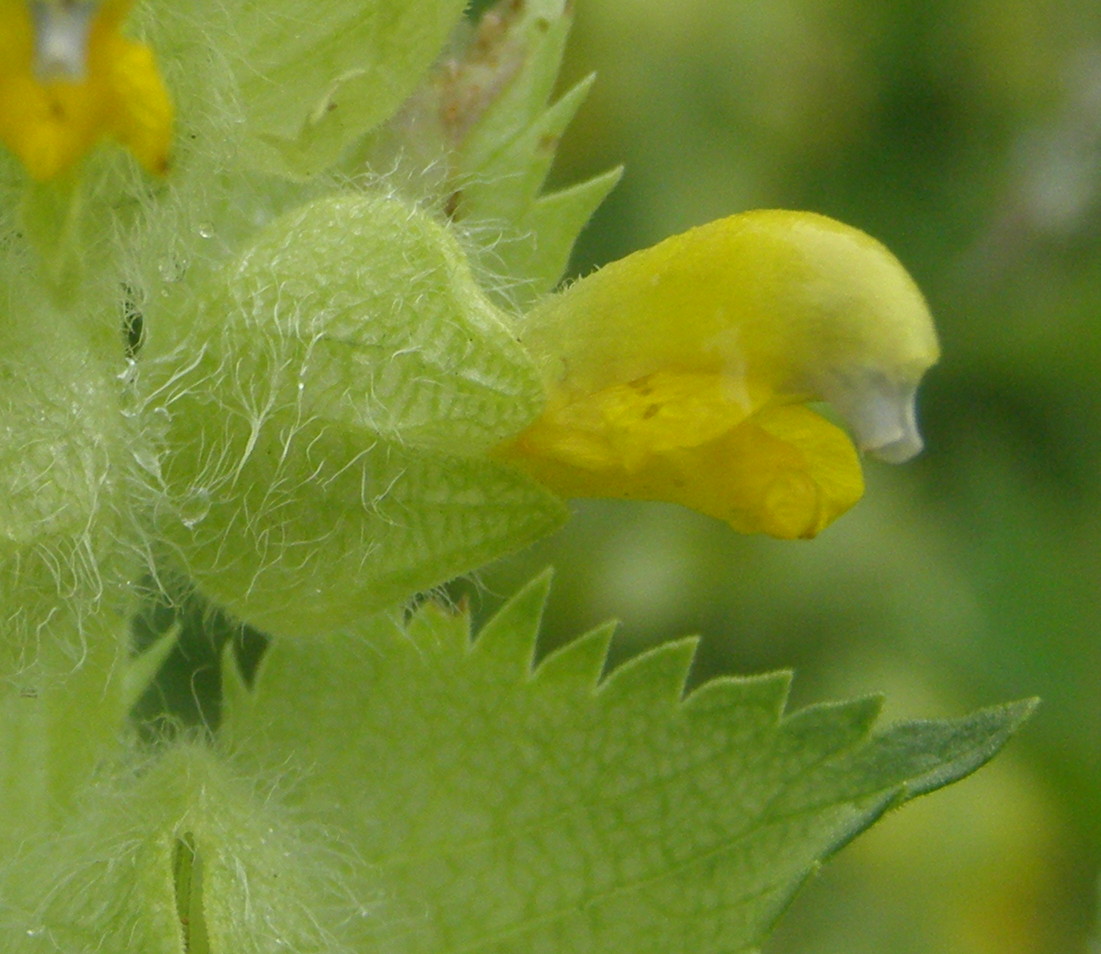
x: 654, y: 678
x: 236, y: 694
x: 537, y: 145
x: 142, y: 669
x: 833, y: 726
x: 578, y: 664
x: 811, y: 741
x: 735, y: 722
x: 509, y: 637
x: 508, y: 181
x: 550, y: 231
x: 759, y: 700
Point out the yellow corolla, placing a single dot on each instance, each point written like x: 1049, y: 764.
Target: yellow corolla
x: 684, y: 372
x: 68, y: 78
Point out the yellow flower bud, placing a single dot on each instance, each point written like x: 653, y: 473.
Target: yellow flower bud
x: 681, y: 372
x: 68, y: 78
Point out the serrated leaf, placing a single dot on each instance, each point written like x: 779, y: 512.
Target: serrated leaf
x: 540, y: 251
x: 508, y: 179
x: 501, y: 809
x: 527, y: 40
x: 505, y: 155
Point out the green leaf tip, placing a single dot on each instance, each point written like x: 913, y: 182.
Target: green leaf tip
x: 581, y: 661
x: 655, y: 678
x: 502, y: 807
x: 936, y: 754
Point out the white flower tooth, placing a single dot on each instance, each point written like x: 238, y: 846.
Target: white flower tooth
x: 902, y: 441
x: 61, y: 33
x: 880, y: 412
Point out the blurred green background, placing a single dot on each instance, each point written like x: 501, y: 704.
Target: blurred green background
x: 966, y: 134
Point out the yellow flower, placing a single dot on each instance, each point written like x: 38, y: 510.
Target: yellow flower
x: 683, y: 372
x: 68, y: 78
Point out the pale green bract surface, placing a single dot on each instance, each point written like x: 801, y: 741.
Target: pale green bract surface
x: 65, y: 542
x: 363, y: 57
x: 303, y: 422
x: 402, y: 789
x: 362, y: 310
x: 341, y: 383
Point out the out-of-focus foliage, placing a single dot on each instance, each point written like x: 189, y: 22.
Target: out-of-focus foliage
x: 966, y: 134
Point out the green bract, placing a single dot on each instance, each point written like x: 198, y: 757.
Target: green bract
x: 317, y: 373
x: 330, y: 407
x: 481, y: 136
x: 66, y: 468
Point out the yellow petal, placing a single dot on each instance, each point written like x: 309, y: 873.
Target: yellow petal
x: 141, y: 109
x: 783, y: 470
x: 624, y: 425
x: 794, y: 476
x: 93, y: 83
